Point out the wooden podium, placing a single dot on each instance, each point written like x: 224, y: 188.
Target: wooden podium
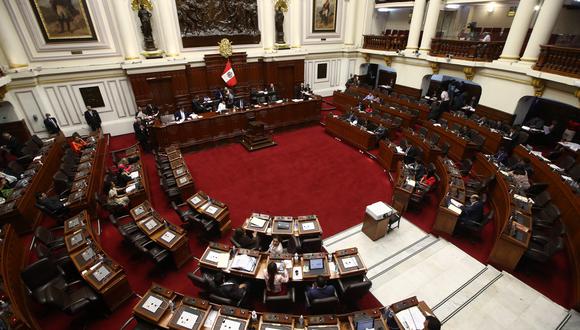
x: 376, y: 228
x: 256, y: 137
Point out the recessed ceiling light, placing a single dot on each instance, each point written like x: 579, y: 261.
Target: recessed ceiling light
x: 384, y: 10
x: 491, y: 7
x: 452, y: 6
x: 537, y: 7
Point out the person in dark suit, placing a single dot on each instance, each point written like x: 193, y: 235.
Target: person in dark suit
x: 227, y: 288
x: 473, y: 211
x: 180, y: 115
x: 141, y: 133
x: 196, y: 104
x: 12, y: 144
x: 431, y: 323
x: 51, y: 124
x: 319, y: 289
x: 93, y: 119
x: 53, y: 204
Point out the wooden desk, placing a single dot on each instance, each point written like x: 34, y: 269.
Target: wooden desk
x: 454, y: 188
x: 388, y: 156
x: 423, y: 109
x: 19, y: 209
x: 213, y: 127
x: 459, y: 148
x: 103, y: 274
x: 430, y: 151
x: 348, y: 262
x: 492, y: 139
x: 180, y: 171
x: 343, y: 101
x: 167, y: 235
x: 354, y: 135
x: 211, y: 209
x: 403, y: 188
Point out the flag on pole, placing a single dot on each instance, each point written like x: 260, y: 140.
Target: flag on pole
x: 229, y: 76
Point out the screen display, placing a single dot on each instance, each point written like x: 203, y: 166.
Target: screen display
x: 316, y: 264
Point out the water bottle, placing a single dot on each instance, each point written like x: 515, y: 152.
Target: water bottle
x: 254, y: 316
x: 301, y: 321
x: 296, y: 257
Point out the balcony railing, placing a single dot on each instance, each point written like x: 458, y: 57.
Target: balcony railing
x: 559, y: 60
x: 467, y: 50
x: 385, y: 42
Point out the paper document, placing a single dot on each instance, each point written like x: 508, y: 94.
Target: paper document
x: 152, y: 304
x: 150, y: 224
x: 212, y: 209
x: 526, y: 128
x: 228, y: 324
x: 168, y: 236
x: 244, y: 262
x: 101, y: 273
x: 308, y: 226
x: 257, y: 222
x: 210, y: 320
x: 411, y: 318
x: 297, y: 273
x: 131, y: 187
x: 349, y: 262
x: 187, y: 320
x: 213, y: 256
x: 455, y: 202
x: 223, y: 260
x: 400, y: 150
x: 195, y: 199
x: 134, y: 175
x: 332, y: 266
x: 454, y: 209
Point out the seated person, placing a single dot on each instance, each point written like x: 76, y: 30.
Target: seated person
x: 428, y: 180
x: 501, y: 156
x: 274, y: 279
x: 275, y: 246
x: 222, y: 107
x: 431, y: 323
x: 368, y: 108
x: 419, y: 169
x: 319, y: 289
x: 473, y: 211
x: 370, y: 97
x: 227, y: 288
x: 5, y: 189
x: 123, y: 165
x: 116, y: 199
x: 520, y: 179
x: 77, y: 144
x: 12, y: 144
x: 180, y: 115
x: 526, y: 165
x: 380, y: 131
x: 196, y: 104
x: 10, y: 179
x: 246, y: 241
x: 53, y: 204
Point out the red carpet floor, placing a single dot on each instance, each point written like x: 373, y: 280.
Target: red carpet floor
x: 308, y: 172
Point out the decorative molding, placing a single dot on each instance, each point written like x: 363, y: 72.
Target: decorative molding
x: 435, y: 67
x: 388, y: 60
x: 576, y: 93
x: 2, y: 92
x: 367, y: 57
x: 469, y: 72
x: 539, y: 86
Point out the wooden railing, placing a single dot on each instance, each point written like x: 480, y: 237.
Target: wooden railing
x: 385, y: 42
x: 559, y: 60
x: 467, y: 50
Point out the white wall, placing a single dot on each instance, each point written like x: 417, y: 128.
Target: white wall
x: 338, y: 71
x: 395, y: 19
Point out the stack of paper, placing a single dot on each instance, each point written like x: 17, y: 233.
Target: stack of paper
x: 411, y: 318
x: 244, y: 262
x: 134, y: 175
x: 308, y: 226
x: 257, y: 222
x: 455, y: 206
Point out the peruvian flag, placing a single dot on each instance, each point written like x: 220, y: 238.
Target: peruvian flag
x: 229, y: 76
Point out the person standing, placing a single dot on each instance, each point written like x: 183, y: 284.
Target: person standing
x: 51, y: 124
x: 93, y: 119
x: 142, y: 134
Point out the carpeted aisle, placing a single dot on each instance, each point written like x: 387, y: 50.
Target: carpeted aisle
x: 308, y: 172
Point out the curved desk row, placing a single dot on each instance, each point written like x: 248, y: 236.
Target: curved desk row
x: 138, y: 190
x: 423, y: 109
x: 283, y: 225
x: 102, y: 273
x: 180, y: 171
x: 253, y: 263
x: 19, y: 209
x: 568, y: 203
x: 167, y: 309
x: 493, y: 139
x: 454, y: 192
x: 459, y: 148
x: 354, y: 135
x: 211, y: 209
x: 213, y: 127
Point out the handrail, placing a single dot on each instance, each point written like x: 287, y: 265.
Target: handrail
x: 485, y: 51
x: 381, y: 42
x: 559, y: 60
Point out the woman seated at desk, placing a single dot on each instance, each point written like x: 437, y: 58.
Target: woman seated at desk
x: 275, y: 246
x: 275, y: 280
x: 428, y: 180
x: 116, y: 199
x: 78, y: 144
x: 520, y: 179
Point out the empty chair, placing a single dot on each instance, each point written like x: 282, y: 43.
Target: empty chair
x: 445, y: 148
x: 541, y: 200
x: 16, y: 168
x: 565, y: 162
x: 475, y: 228
x: 279, y: 300
x: 41, y: 272
x: 294, y: 245
x: 38, y: 141
x: 465, y: 167
x: 311, y: 244
x: 353, y: 287
x: 68, y: 300
x: 46, y: 237
x: 61, y: 182
x: 434, y: 138
x: 322, y: 305
x: 574, y: 172
x: 423, y: 132
x: 541, y: 250
x: 547, y: 215
x: 536, y: 188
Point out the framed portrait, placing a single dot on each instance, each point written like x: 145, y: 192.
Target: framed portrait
x: 92, y: 96
x: 324, y: 16
x: 64, y: 20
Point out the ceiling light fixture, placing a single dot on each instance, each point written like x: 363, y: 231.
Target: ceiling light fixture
x: 491, y: 7
x: 452, y: 6
x: 384, y: 10
x: 537, y: 7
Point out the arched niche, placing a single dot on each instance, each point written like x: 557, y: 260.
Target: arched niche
x: 547, y: 110
x: 373, y: 75
x: 7, y: 113
x: 434, y: 84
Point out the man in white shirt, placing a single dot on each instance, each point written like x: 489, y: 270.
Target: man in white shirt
x: 179, y: 115
x: 486, y: 37
x: 444, y: 96
x: 221, y: 107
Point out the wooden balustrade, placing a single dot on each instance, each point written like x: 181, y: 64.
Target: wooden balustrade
x: 467, y: 49
x: 380, y: 42
x: 559, y: 60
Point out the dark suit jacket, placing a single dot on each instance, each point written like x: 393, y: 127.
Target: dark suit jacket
x: 140, y: 133
x: 230, y: 290
x: 473, y: 212
x: 178, y: 115
x: 53, y: 204
x: 51, y: 125
x: 93, y: 119
x: 318, y: 293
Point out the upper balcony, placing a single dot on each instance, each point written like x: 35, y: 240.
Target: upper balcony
x: 483, y: 51
x: 559, y: 60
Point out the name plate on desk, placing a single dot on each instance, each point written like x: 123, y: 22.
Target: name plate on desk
x: 141, y: 210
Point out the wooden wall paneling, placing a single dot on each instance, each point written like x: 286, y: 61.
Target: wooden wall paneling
x: 18, y: 129
x: 415, y: 92
x: 494, y: 114
x: 197, y: 82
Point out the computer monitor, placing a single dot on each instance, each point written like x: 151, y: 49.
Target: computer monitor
x: 316, y: 264
x: 365, y: 323
x: 283, y: 225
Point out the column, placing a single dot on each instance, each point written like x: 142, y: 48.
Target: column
x: 364, y: 17
x: 349, y: 28
x: 268, y: 29
x: 295, y: 33
x: 542, y: 29
x: 518, y: 30
x: 9, y: 41
x: 126, y: 29
x: 430, y: 24
x: 168, y: 27
x: 416, y: 22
